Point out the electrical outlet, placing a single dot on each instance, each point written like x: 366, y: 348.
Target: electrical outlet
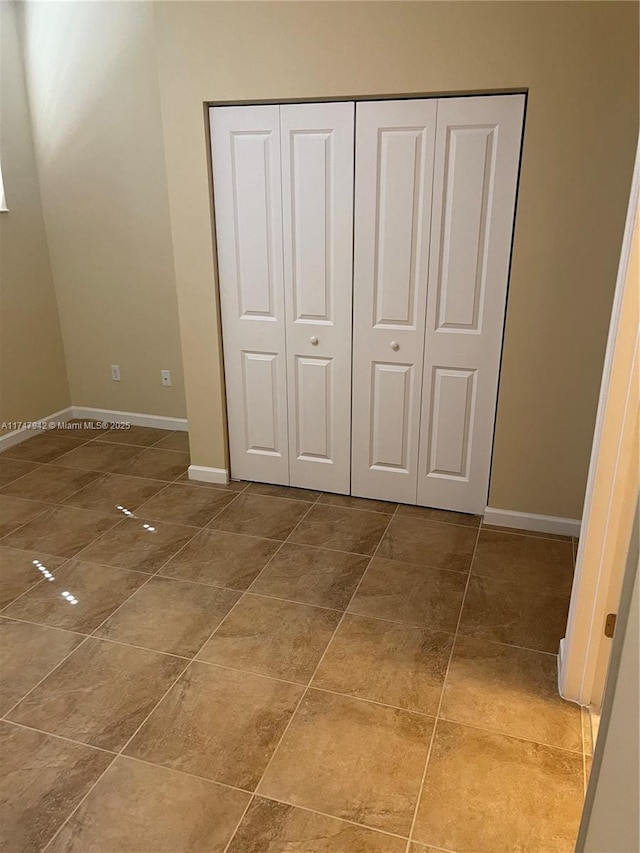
x: 165, y: 378
x: 115, y: 372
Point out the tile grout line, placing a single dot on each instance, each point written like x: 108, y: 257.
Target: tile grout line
x: 112, y: 762
x: 410, y: 838
x: 88, y: 746
x: 38, y: 683
x: 310, y: 681
x: 121, y: 751
x: 88, y: 636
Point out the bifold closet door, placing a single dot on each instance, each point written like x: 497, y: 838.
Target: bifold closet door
x: 394, y: 172
x: 283, y: 191
x: 317, y: 204
x: 476, y: 172
x: 248, y: 203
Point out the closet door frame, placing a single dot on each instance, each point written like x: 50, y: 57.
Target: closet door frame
x: 237, y: 470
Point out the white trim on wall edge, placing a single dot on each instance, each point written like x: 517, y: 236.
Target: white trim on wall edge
x: 208, y: 475
x: 16, y: 436
x: 133, y: 418
x: 529, y: 521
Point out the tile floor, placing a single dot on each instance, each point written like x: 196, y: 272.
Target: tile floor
x: 258, y: 669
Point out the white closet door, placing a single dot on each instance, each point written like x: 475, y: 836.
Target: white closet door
x: 247, y: 190
x: 317, y: 201
x: 476, y: 173
x: 394, y: 171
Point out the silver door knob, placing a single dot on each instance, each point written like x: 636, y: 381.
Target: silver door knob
x: 394, y: 345
x: 314, y: 340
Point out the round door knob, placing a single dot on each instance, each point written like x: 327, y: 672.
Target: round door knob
x: 314, y: 340
x: 394, y: 345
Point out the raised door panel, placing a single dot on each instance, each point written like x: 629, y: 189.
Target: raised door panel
x: 317, y: 192
x: 247, y: 191
x: 391, y: 391
x: 475, y: 181
x: 394, y: 170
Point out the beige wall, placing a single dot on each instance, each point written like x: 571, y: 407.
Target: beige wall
x: 33, y: 380
x: 579, y: 62
x: 96, y: 114
x: 101, y: 125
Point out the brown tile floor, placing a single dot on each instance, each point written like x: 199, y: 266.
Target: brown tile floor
x: 260, y: 669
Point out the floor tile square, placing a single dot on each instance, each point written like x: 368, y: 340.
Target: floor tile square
x: 19, y: 571
x: 485, y: 792
x: 282, y: 639
x: 312, y: 576
x: 61, y: 531
x: 439, y: 546
x: 178, y: 440
x: 186, y: 505
x: 407, y: 592
x: 139, y: 808
x: 43, y: 448
x: 444, y: 516
x: 510, y: 690
x: 99, y: 456
x: 272, y: 490
x: 514, y: 613
x: 14, y: 512
x: 255, y: 515
x: 42, y: 779
x: 27, y: 654
x: 270, y: 827
x: 155, y: 464
x: 221, y: 559
x: 136, y: 435
x: 351, y: 759
x: 400, y: 665
x: 357, y: 503
x: 545, y: 562
x: 97, y: 590
x: 170, y: 616
x: 113, y: 493
x: 218, y: 723
x: 139, y: 543
x: 12, y: 469
x: 100, y: 694
x: 50, y: 483
x: 341, y: 529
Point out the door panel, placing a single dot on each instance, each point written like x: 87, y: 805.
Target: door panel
x: 449, y: 426
x: 475, y: 179
x: 246, y: 176
x: 317, y: 193
x: 394, y: 170
x: 392, y: 386
x: 314, y: 398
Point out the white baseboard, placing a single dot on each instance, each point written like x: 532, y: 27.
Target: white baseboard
x: 560, y: 666
x: 220, y: 476
x: 16, y: 436
x: 10, y: 439
x: 529, y: 521
x: 133, y: 418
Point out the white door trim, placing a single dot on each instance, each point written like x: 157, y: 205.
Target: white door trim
x: 580, y: 647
